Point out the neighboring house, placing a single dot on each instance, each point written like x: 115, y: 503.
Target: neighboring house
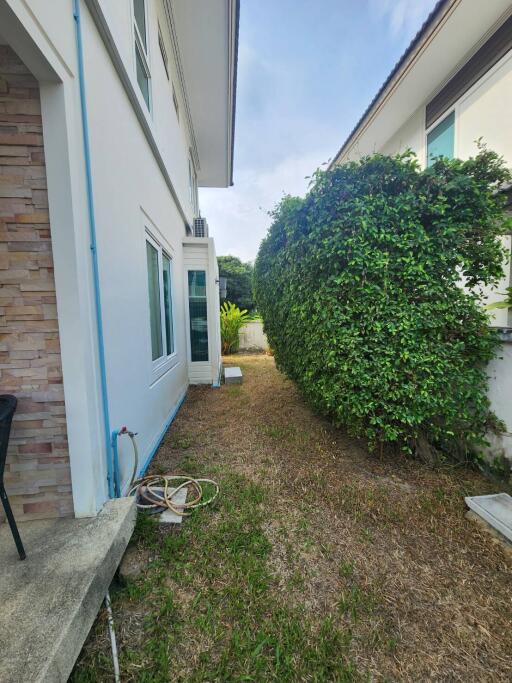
x: 109, y: 297
x: 452, y: 86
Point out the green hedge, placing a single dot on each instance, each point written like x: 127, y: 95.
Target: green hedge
x: 359, y: 288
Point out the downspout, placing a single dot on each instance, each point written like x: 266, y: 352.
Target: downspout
x: 93, y: 247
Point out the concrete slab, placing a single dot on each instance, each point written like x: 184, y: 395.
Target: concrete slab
x: 494, y: 535
x: 50, y: 600
x: 233, y: 375
x: 170, y: 517
x: 167, y: 516
x: 495, y: 509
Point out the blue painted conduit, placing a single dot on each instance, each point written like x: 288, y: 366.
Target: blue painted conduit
x: 92, y: 237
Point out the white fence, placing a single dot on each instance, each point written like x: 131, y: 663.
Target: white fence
x: 500, y: 382
x: 252, y: 337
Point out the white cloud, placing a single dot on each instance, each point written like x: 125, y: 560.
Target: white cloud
x: 238, y: 217
x: 404, y: 17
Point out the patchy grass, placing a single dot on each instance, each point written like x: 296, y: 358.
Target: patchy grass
x: 318, y: 562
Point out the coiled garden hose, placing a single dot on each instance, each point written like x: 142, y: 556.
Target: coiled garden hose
x: 156, y: 491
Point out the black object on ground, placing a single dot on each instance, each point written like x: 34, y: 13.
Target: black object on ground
x: 7, y: 407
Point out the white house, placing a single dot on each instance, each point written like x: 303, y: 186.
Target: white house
x: 452, y: 86
x: 112, y: 114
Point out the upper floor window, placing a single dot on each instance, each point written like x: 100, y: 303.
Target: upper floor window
x: 161, y: 317
x: 141, y: 49
x: 441, y: 139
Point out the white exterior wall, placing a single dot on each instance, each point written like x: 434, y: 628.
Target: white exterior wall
x: 486, y: 112
x: 132, y: 194
x: 131, y: 197
x: 410, y: 136
x: 500, y: 395
x: 173, y: 137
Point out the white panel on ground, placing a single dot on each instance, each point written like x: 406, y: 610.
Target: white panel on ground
x: 233, y: 375
x: 178, y: 499
x: 495, y: 509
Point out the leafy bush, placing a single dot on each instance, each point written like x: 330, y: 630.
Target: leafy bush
x: 359, y: 286
x: 239, y: 281
x: 232, y: 319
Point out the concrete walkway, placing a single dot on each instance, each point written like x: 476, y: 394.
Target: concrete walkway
x: 49, y: 601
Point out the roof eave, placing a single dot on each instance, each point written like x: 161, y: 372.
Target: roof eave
x: 234, y: 72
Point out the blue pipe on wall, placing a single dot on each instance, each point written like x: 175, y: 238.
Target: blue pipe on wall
x: 92, y: 237
x: 115, y: 458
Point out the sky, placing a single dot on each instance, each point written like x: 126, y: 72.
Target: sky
x: 307, y: 70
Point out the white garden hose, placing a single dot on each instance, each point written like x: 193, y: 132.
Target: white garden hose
x: 113, y: 643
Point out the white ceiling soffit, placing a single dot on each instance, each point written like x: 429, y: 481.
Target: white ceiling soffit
x: 436, y: 60
x: 207, y: 34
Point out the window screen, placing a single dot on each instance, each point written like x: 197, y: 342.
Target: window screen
x: 139, y: 12
x: 154, y: 302
x: 169, y: 331
x: 142, y: 76
x: 198, y: 315
x: 440, y: 140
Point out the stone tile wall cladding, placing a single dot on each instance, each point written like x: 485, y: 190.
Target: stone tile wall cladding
x: 37, y: 475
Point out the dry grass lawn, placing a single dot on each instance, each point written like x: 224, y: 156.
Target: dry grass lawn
x: 319, y: 562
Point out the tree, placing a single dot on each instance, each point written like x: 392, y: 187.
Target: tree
x: 239, y: 281
x: 359, y: 287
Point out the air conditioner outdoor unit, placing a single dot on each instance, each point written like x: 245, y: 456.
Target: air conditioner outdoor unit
x: 200, y: 227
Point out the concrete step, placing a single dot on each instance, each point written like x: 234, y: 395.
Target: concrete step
x: 495, y: 509
x: 233, y: 375
x: 50, y: 600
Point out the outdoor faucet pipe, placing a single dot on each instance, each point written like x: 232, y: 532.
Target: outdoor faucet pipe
x: 118, y: 487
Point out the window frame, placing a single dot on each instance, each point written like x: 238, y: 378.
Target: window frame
x: 167, y: 360
x: 453, y: 111
x: 138, y: 48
